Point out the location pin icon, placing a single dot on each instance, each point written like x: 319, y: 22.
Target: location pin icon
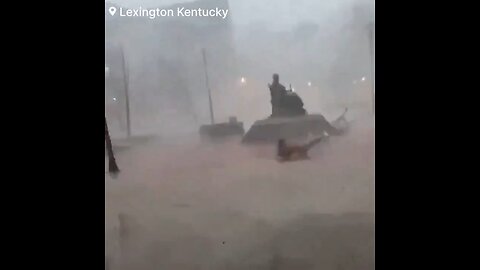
x: 112, y: 10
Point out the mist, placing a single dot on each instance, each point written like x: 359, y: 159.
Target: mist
x: 321, y: 48
x: 180, y: 203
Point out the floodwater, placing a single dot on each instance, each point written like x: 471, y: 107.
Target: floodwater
x: 227, y: 206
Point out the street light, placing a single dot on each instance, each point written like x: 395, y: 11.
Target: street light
x: 127, y: 100
x: 112, y: 163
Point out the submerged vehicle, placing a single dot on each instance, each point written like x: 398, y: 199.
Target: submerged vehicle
x: 217, y: 131
x: 293, y: 122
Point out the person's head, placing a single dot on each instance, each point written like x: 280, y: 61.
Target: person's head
x: 276, y: 78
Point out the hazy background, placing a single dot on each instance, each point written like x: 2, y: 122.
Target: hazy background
x: 193, y: 205
x: 325, y: 43
x: 227, y: 206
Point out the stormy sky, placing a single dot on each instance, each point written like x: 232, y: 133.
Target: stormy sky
x: 279, y: 14
x: 326, y: 67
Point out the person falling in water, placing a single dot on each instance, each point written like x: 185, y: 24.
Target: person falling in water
x: 294, y: 152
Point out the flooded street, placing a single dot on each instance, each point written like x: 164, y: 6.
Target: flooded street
x: 228, y: 206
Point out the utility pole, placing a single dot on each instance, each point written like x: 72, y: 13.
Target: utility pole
x: 208, y: 86
x: 127, y: 97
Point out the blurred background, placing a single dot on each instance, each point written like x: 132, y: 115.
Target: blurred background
x: 179, y: 203
x: 323, y: 49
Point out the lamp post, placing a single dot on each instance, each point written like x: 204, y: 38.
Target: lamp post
x: 112, y: 163
x: 212, y: 119
x: 127, y: 97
